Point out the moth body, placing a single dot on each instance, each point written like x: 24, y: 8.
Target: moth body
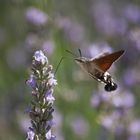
x: 89, y: 68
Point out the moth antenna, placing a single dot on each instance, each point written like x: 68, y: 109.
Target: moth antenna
x: 71, y: 53
x: 80, y: 52
x: 58, y: 65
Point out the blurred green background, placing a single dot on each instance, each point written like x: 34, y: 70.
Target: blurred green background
x: 83, y: 110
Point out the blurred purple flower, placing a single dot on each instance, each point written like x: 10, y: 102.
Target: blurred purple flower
x: 125, y: 100
x: 72, y: 30
x: 133, y: 137
x: 128, y: 100
x: 100, y: 98
x: 112, y: 123
x: 119, y: 129
x: 134, y: 37
x: 132, y: 13
x: 79, y: 126
x: 31, y: 41
x: 134, y: 127
x: 99, y: 47
x: 49, y: 46
x: 58, y: 120
x: 107, y: 121
x: 23, y: 121
x: 130, y: 77
x: 119, y: 113
x: 36, y: 16
x: 105, y: 20
x: 95, y: 100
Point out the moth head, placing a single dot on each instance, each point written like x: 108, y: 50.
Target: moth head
x: 81, y: 60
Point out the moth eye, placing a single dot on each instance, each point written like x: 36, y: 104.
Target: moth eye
x: 80, y: 61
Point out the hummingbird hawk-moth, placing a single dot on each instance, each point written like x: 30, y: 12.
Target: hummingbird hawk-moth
x: 97, y: 67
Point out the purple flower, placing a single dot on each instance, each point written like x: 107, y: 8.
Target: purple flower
x: 52, y: 81
x: 31, y: 82
x: 49, y: 97
x: 36, y: 16
x: 49, y: 135
x: 40, y: 57
x: 31, y: 135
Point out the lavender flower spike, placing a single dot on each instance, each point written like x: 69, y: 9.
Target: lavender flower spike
x: 42, y: 82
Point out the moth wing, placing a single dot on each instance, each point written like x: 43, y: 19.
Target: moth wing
x: 105, y: 62
x: 101, y: 55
